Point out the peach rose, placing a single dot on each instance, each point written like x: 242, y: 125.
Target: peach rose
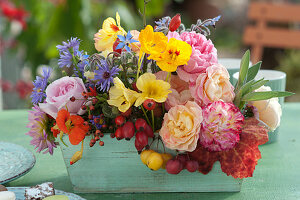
x: 213, y: 85
x: 269, y: 111
x: 181, y: 127
x: 180, y: 90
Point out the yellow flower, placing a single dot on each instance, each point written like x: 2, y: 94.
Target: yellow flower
x: 177, y: 53
x: 153, y: 43
x: 120, y: 96
x: 151, y: 88
x: 106, y: 36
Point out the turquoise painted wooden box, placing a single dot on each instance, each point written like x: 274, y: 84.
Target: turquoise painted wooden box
x: 116, y: 168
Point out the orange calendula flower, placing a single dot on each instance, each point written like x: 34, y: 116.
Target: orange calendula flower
x: 153, y: 43
x: 177, y: 53
x: 72, y: 125
x: 106, y: 36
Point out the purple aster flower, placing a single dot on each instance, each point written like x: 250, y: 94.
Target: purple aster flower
x: 105, y: 76
x: 38, y: 125
x: 72, y: 43
x: 40, y: 84
x: 125, y: 41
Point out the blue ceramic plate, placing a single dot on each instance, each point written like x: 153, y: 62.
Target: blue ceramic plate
x: 15, y: 161
x: 20, y: 191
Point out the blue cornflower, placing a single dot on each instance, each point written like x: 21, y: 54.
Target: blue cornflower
x: 40, y: 84
x: 82, y: 62
x: 125, y: 41
x: 66, y: 50
x: 213, y: 21
x: 72, y: 43
x: 105, y: 76
x: 65, y: 59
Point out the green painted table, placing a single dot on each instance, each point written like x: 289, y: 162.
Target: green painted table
x: 277, y: 176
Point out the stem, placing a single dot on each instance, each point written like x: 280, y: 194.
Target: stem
x: 153, y: 126
x: 139, y: 65
x: 144, y: 14
x: 145, y: 115
x: 77, y: 68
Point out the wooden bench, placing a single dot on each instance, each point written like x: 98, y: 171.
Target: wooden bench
x: 261, y: 34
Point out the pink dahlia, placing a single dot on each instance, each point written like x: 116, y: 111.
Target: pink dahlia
x: 221, y: 126
x: 204, y: 54
x: 38, y: 125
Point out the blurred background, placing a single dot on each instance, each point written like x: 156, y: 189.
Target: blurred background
x: 31, y: 29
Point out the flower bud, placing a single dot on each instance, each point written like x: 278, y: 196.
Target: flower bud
x: 77, y: 156
x: 175, y: 23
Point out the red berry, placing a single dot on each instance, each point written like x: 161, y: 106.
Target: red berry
x: 90, y: 116
x: 72, y: 99
x: 139, y: 147
x: 183, y: 159
x: 101, y: 143
x: 149, y: 104
x: 97, y: 138
x: 93, y: 141
x: 173, y: 166
x: 94, y: 101
x: 140, y: 124
x: 119, y: 120
x: 119, y: 133
x: 92, y: 107
x: 97, y: 120
x: 115, y: 46
x: 97, y: 132
x: 85, y: 123
x: 91, y: 144
x: 141, y: 139
x: 128, y: 130
x: 112, y: 135
x: 83, y: 107
x: 192, y: 165
x: 175, y: 23
x: 101, y: 135
x: 149, y: 131
x: 127, y: 113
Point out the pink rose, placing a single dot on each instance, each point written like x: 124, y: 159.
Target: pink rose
x: 204, y: 54
x: 181, y: 127
x: 180, y: 90
x: 59, y: 93
x: 213, y: 85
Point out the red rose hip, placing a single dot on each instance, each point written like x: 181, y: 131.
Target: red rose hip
x: 119, y: 133
x: 119, y: 120
x: 140, y: 124
x: 128, y: 130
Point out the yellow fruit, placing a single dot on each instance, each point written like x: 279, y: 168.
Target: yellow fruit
x: 166, y: 157
x: 155, y: 161
x: 145, y: 155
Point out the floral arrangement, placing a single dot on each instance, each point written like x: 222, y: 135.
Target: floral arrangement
x: 163, y: 84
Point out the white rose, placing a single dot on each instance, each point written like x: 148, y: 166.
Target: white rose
x: 269, y: 111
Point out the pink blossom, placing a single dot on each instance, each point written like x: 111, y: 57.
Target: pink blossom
x: 180, y: 90
x: 173, y: 34
x: 204, y: 54
x: 59, y: 93
x: 181, y: 127
x: 212, y: 85
x: 221, y: 126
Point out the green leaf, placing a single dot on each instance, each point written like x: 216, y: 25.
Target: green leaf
x: 243, y: 70
x: 257, y: 85
x: 257, y: 96
x: 252, y: 72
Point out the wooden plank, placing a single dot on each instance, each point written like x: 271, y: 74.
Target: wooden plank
x: 274, y: 12
x: 272, y: 37
x: 117, y: 168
